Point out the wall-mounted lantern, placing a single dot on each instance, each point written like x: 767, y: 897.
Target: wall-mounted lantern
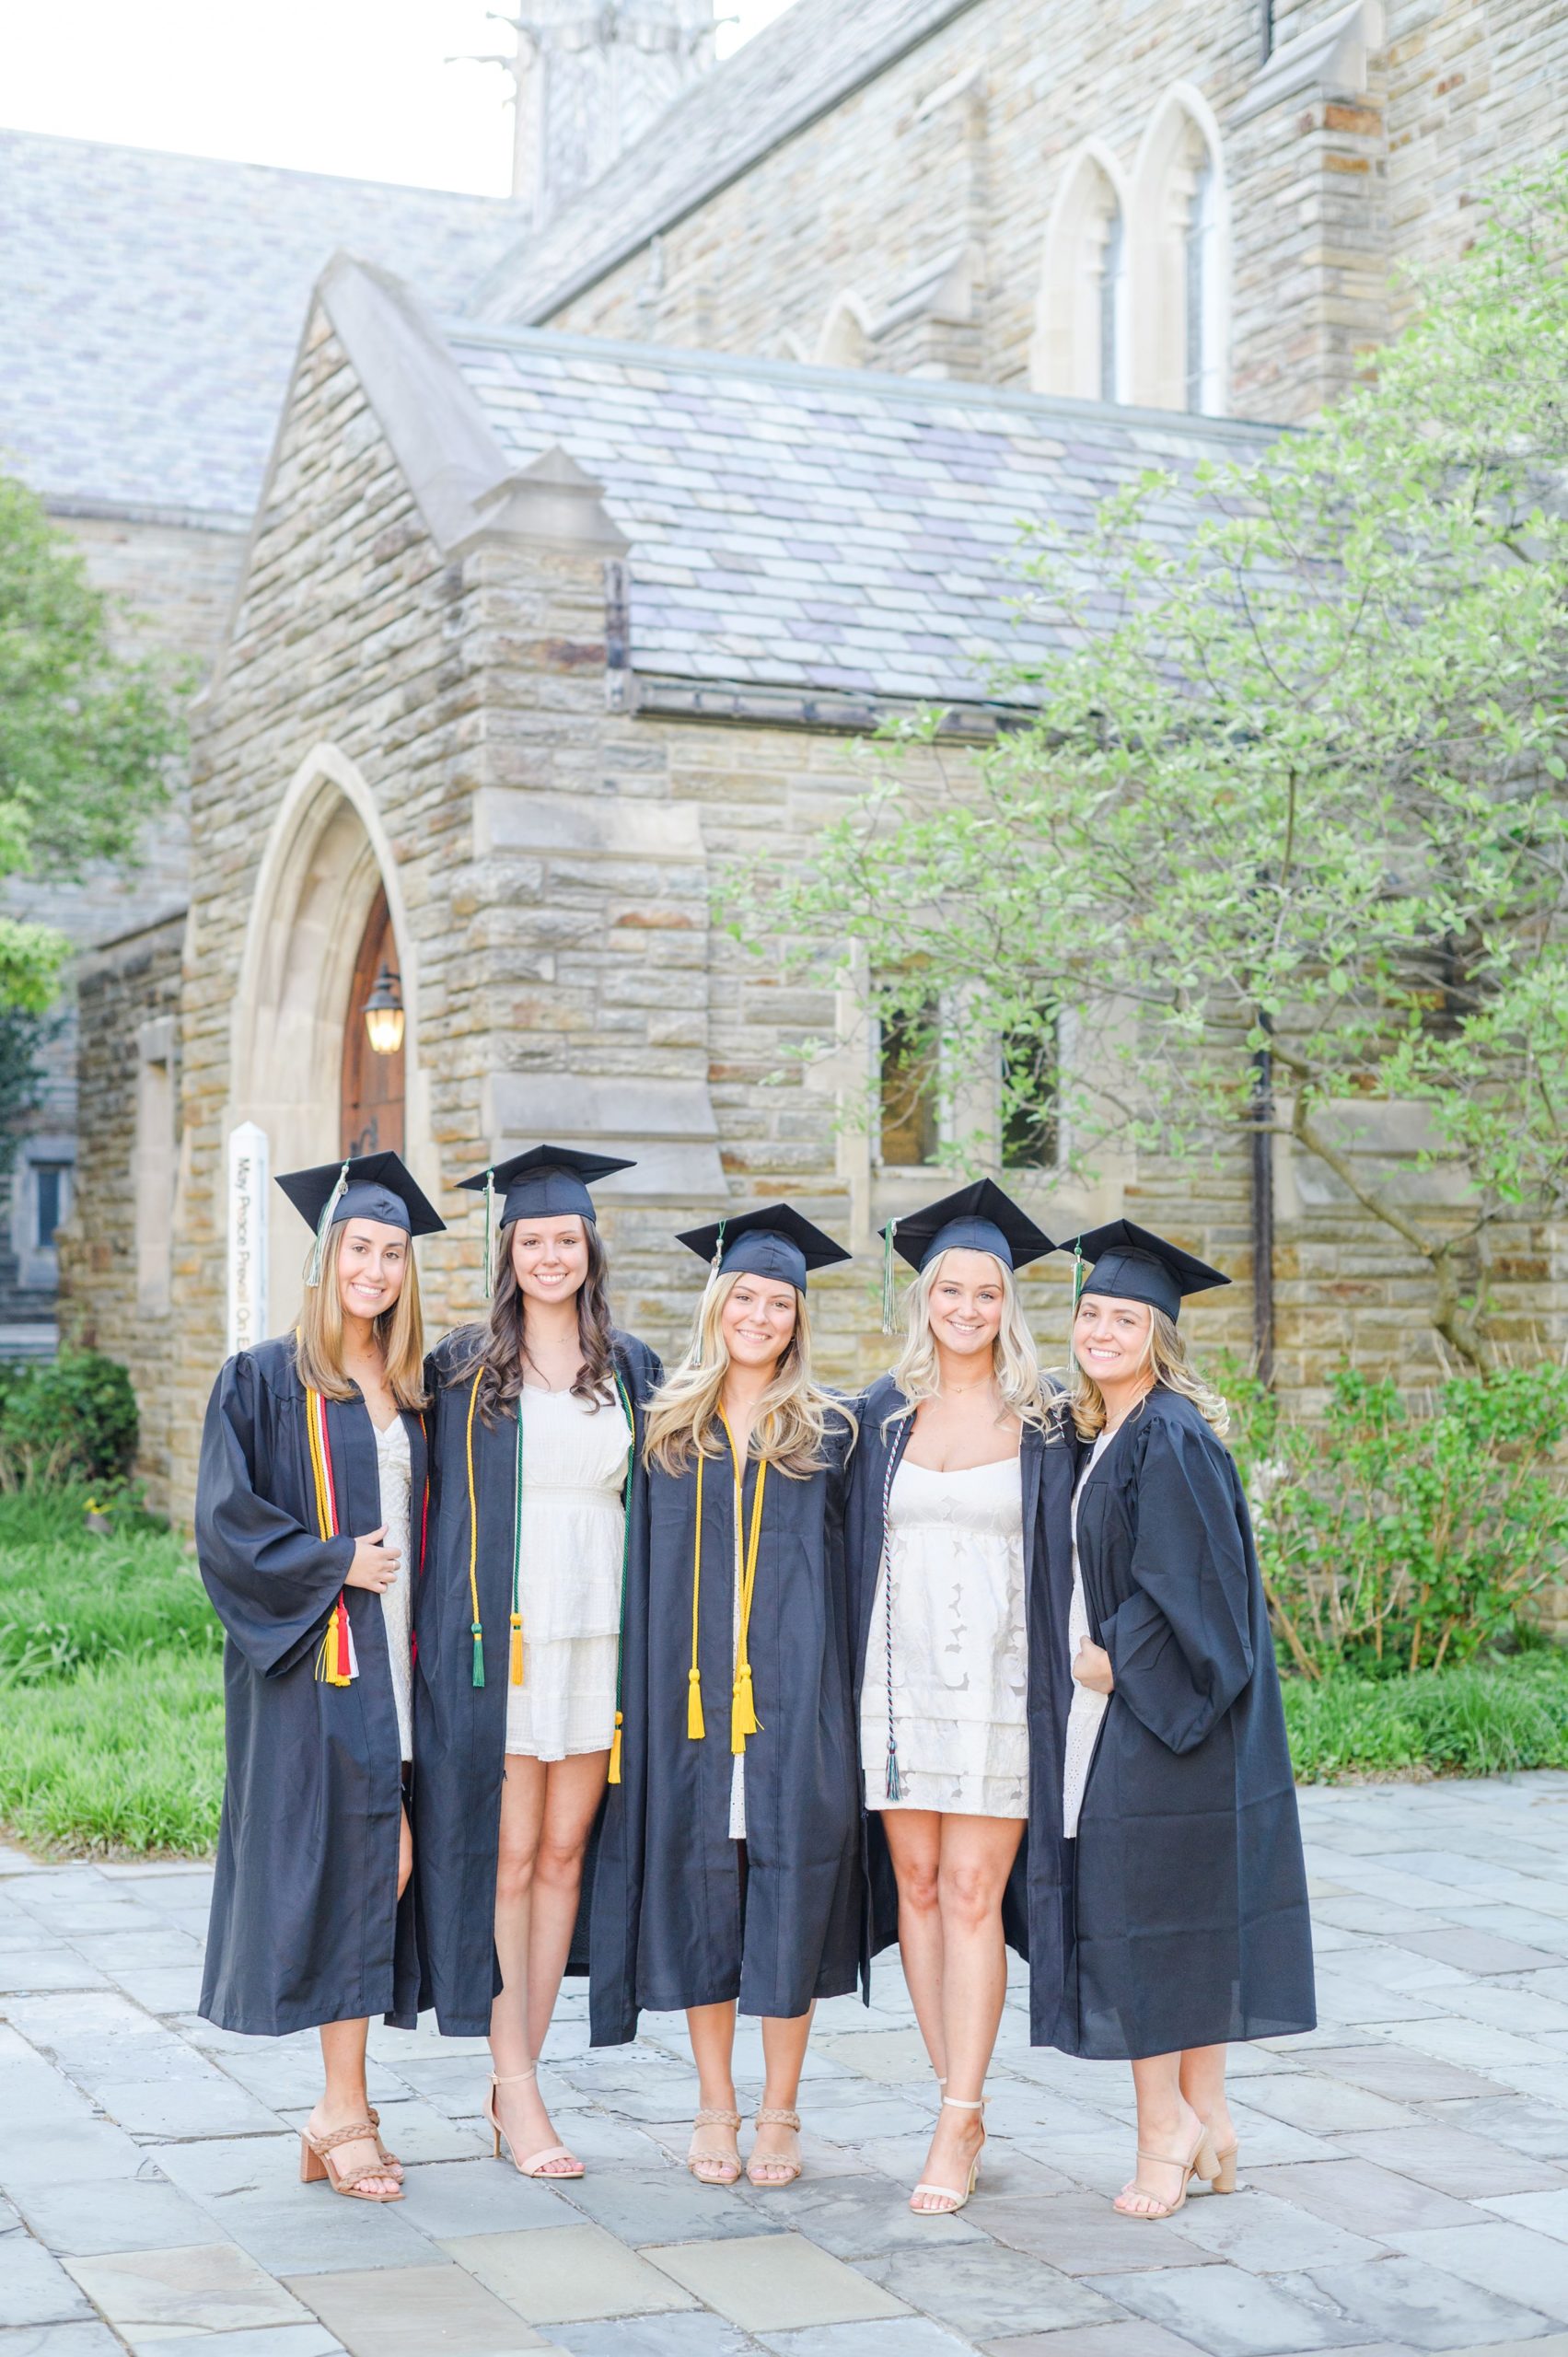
x: 384, y: 1015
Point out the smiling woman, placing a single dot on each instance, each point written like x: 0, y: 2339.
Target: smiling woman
x: 308, y: 1498
x: 730, y: 1867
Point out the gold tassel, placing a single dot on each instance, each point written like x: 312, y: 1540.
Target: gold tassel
x: 614, y: 1777
x: 695, y: 1729
x: 743, y: 1719
x: 517, y: 1648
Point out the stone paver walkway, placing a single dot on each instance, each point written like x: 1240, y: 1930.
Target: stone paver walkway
x: 1406, y: 2168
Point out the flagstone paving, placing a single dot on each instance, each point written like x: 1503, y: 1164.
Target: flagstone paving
x: 1404, y: 2169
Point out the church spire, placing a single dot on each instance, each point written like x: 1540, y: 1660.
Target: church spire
x: 590, y: 76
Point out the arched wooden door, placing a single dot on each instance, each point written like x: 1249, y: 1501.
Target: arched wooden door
x: 372, y: 1093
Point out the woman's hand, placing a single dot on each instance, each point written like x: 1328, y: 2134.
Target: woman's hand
x: 374, y: 1566
x: 1093, y: 1669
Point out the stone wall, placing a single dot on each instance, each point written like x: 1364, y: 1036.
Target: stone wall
x: 925, y: 194
x: 116, y: 1254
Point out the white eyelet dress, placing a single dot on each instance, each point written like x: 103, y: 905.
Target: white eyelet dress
x: 573, y: 1543
x: 394, y: 1475
x: 1087, y: 1708
x: 952, y: 1577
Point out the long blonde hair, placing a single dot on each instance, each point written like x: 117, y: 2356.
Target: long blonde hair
x: 1165, y: 1357
x: 399, y: 1332
x: 1014, y: 1362
x: 790, y: 1425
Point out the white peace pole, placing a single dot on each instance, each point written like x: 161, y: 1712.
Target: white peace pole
x: 247, y: 1237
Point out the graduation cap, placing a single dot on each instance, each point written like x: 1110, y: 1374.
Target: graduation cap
x: 772, y: 1242
x: 1131, y: 1263
x: 979, y: 1218
x: 368, y: 1186
x: 546, y: 1182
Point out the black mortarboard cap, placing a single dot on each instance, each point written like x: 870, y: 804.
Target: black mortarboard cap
x: 546, y: 1181
x: 1131, y: 1263
x: 979, y: 1218
x: 772, y: 1242
x: 374, y: 1186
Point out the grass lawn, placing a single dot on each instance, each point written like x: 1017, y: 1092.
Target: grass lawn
x: 111, y: 1686
x: 111, y: 1696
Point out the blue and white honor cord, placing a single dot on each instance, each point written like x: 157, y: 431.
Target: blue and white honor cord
x: 894, y: 1789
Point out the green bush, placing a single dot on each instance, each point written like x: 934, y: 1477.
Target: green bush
x: 72, y: 1416
x: 1489, y: 1717
x: 1394, y: 1541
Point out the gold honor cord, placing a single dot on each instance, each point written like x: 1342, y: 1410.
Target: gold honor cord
x: 334, y: 1656
x: 476, y: 1627
x: 743, y: 1719
x: 614, y: 1775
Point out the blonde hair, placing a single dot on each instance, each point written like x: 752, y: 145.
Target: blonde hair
x: 1014, y: 1362
x: 791, y: 1424
x: 398, y: 1331
x: 1165, y: 1355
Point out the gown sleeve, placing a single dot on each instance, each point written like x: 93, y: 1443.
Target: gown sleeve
x: 271, y: 1580
x: 1181, y: 1645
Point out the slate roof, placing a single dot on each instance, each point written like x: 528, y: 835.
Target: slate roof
x: 150, y: 306
x: 830, y: 528
x: 807, y: 59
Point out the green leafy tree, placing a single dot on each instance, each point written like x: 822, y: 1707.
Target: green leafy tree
x: 1292, y: 786
x: 87, y: 734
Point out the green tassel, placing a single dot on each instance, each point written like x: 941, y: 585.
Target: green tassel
x: 713, y: 1280
x: 887, y: 1276
x: 324, y: 1227
x: 478, y: 1653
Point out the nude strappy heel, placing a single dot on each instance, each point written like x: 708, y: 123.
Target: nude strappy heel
x: 950, y: 2193
x: 767, y: 2117
x: 389, y: 2161
x: 727, y: 2165
x: 315, y: 2162
x: 535, y: 2164
x: 1224, y: 2179
x: 1203, y: 2161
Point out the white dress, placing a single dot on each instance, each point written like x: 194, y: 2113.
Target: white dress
x: 393, y: 1472
x: 1087, y: 1708
x: 953, y: 1578
x: 574, y: 1535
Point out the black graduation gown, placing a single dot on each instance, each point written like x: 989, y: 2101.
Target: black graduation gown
x: 306, y: 1923
x: 679, y: 1919
x: 1034, y: 1911
x: 1191, y: 1919
x: 459, y: 1729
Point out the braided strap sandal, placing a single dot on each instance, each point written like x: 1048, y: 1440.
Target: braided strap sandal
x: 315, y: 2162
x: 710, y: 2167
x: 788, y: 2168
x: 389, y: 2161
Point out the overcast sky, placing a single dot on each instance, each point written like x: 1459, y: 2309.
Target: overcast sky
x: 358, y: 86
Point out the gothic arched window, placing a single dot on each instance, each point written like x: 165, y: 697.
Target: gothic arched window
x: 1181, y: 301
x: 1081, y: 334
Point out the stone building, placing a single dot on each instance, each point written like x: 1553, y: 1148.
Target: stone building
x: 548, y: 608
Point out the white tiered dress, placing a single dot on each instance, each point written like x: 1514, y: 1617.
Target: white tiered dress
x: 954, y: 1570
x: 573, y: 1534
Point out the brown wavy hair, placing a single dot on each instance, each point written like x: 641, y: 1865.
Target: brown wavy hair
x: 499, y: 1347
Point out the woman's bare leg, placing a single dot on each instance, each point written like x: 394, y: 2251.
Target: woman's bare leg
x: 521, y: 2112
x: 573, y: 1790
x: 784, y: 2056
x: 914, y: 1844
x: 977, y: 1854
x: 1167, y: 2125
x: 711, y: 2031
x: 1203, y: 2084
x: 347, y: 2098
